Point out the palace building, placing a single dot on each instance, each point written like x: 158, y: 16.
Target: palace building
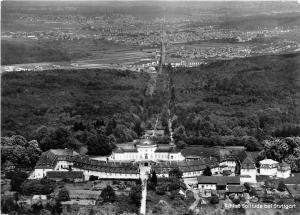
x: 127, y: 161
x: 136, y: 159
x: 145, y: 151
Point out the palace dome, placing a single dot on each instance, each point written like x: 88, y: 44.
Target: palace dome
x: 146, y: 142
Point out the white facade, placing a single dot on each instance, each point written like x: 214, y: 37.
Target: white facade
x: 146, y: 150
x: 192, y: 174
x: 63, y: 166
x: 248, y: 175
x: 203, y: 187
x: 268, y: 167
x: 107, y: 175
x: 228, y: 165
x: 39, y: 173
x: 272, y: 168
x: 284, y: 173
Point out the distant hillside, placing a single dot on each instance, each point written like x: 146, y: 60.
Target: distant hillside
x: 233, y: 98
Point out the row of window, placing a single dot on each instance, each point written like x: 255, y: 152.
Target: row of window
x: 145, y: 156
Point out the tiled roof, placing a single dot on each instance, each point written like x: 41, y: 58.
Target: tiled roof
x: 218, y: 180
x: 185, y: 166
x: 268, y: 162
x: 118, y: 150
x: 65, y: 152
x: 228, y: 158
x: 64, y: 174
x: 82, y: 162
x: 235, y: 188
x: 247, y: 157
x: 247, y: 160
x: 84, y: 194
x: 146, y: 142
x: 47, y: 160
x: 167, y: 149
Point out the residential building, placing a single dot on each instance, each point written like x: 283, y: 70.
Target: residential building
x: 208, y: 184
x: 268, y: 167
x: 248, y: 170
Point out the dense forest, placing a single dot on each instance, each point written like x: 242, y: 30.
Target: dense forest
x: 232, y: 102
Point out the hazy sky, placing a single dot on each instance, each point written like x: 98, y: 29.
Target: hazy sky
x: 157, y: 0
x: 163, y: 0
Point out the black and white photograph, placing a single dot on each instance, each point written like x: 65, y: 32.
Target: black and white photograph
x: 139, y: 107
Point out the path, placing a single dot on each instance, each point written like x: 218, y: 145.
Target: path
x: 197, y: 199
x: 144, y: 170
x: 144, y: 197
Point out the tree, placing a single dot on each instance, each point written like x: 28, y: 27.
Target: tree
x: 175, y: 173
x: 99, y: 145
x: 136, y: 194
x: 253, y: 192
x: 236, y: 201
x: 63, y: 195
x: 214, y: 199
x: 8, y: 205
x: 20, y: 152
x: 58, y: 207
x: 251, y: 144
x: 138, y: 129
x: 247, y: 187
x: 281, y: 186
x: 38, y: 187
x: 153, y: 178
x: 93, y: 178
x: 108, y: 194
x: 37, y: 207
x: 17, y: 178
x: 207, y: 171
x: 181, y: 144
x: 179, y: 134
x: 59, y: 138
x: 270, y: 184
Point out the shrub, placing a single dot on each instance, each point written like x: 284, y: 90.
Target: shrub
x: 247, y: 187
x: 214, y: 200
x: 207, y: 171
x: 136, y: 194
x: 17, y: 178
x: 37, y: 187
x: 108, y: 194
x: 236, y: 201
x: 281, y: 186
x: 63, y: 195
x: 160, y: 190
x: 253, y: 192
x: 93, y: 178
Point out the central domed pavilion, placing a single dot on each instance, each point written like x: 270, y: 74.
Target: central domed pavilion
x: 145, y: 150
